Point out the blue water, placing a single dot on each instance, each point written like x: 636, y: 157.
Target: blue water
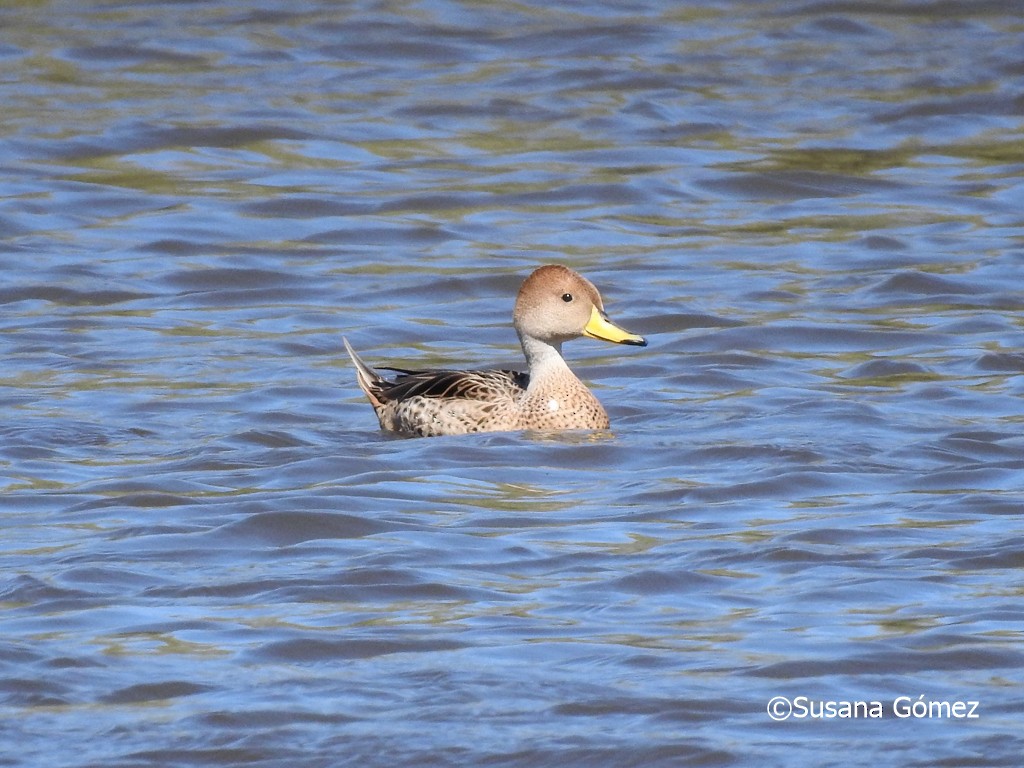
x: 813, y: 484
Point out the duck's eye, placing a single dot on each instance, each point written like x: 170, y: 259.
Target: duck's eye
x: 566, y: 297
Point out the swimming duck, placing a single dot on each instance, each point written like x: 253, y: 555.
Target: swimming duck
x: 554, y: 305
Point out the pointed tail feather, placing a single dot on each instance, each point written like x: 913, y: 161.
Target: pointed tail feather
x: 369, y: 380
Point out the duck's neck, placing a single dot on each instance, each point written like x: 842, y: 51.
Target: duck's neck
x: 544, y: 358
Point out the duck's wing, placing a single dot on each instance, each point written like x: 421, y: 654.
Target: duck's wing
x: 486, y: 386
x: 465, y: 385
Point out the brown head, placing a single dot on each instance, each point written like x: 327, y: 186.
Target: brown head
x: 556, y: 304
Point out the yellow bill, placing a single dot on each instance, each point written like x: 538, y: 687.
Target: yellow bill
x: 600, y: 327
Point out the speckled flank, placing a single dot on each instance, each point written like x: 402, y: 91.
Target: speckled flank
x: 431, y: 416
x: 554, y: 305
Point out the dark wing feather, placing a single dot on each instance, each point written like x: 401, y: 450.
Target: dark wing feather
x: 469, y: 385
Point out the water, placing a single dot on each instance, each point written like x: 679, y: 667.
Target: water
x: 813, y: 486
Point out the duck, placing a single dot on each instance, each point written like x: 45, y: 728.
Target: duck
x: 554, y: 305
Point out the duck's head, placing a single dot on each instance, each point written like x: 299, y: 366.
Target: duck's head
x: 556, y: 304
